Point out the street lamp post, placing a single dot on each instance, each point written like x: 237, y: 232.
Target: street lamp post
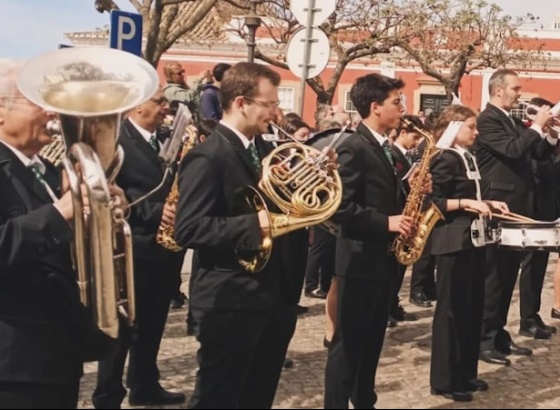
x: 252, y: 21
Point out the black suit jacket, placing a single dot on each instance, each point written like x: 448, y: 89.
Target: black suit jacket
x: 449, y: 180
x: 371, y: 193
x: 504, y: 152
x: 544, y: 174
x: 141, y: 172
x: 209, y: 176
x: 38, y: 293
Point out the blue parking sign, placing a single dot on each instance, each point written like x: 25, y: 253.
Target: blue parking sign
x: 126, y: 32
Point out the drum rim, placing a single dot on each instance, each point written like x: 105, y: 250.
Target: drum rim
x: 529, y: 225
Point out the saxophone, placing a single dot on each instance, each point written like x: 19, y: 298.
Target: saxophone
x: 408, y: 249
x: 165, y: 232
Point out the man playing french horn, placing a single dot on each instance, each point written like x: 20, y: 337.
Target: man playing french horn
x: 42, y: 321
x: 244, y: 320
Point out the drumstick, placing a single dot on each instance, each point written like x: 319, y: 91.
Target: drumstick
x: 523, y: 218
x: 502, y: 216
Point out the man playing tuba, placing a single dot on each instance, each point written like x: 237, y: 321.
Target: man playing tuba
x: 43, y: 325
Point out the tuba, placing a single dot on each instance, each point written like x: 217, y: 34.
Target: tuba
x: 408, y: 249
x: 297, y: 180
x: 90, y: 89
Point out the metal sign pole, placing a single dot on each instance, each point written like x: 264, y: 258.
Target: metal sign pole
x: 307, y: 53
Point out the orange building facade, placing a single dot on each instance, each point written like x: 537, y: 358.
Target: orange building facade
x: 421, y: 93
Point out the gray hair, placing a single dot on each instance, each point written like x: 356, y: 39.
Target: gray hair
x: 8, y: 76
x: 498, y: 80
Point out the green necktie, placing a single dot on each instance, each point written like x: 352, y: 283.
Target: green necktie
x: 154, y: 143
x: 254, y: 157
x: 388, y: 152
x: 34, y: 167
x: 408, y: 157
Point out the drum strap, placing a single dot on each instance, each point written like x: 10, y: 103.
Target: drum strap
x: 473, y: 174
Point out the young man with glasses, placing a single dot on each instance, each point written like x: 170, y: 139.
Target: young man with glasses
x: 244, y: 320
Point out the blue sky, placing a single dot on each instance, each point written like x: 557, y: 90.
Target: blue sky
x: 31, y: 27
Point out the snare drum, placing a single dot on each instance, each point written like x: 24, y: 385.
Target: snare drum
x: 529, y: 236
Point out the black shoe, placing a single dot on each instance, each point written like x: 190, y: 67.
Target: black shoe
x: 316, y: 293
x: 477, y: 385
x: 154, y: 396
x: 493, y: 357
x: 531, y: 328
x: 300, y: 310
x: 391, y: 322
x: 542, y: 325
x: 555, y: 314
x: 515, y: 350
x: 420, y: 299
x: 400, y: 315
x: 177, y: 303
x: 288, y: 363
x: 453, y: 395
x: 326, y: 343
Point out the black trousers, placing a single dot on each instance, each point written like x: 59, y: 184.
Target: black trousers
x: 501, y: 274
x: 531, y: 280
x: 396, y: 284
x: 240, y: 356
x: 422, y: 278
x: 357, y: 342
x: 155, y: 282
x: 457, y: 320
x: 320, y: 261
x: 14, y: 395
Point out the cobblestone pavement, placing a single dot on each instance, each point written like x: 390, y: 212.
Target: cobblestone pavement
x: 403, y: 374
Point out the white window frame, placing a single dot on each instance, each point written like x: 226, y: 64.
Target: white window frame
x: 286, y: 105
x: 520, y: 112
x: 348, y: 105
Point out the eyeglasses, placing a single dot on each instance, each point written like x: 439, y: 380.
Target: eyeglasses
x: 179, y: 72
x: 159, y: 101
x: 265, y: 104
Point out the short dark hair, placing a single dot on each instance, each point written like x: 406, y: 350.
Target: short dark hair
x: 291, y: 124
x: 372, y: 88
x: 205, y: 127
x: 219, y: 70
x: 415, y: 122
x: 539, y: 102
x: 242, y: 80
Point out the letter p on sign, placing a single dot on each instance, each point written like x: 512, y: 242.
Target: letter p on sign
x: 126, y: 32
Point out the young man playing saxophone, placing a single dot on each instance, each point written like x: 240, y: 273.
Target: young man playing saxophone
x: 369, y: 216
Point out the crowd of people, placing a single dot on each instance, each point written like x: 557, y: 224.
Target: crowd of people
x: 244, y: 321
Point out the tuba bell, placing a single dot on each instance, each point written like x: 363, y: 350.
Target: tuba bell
x: 90, y: 89
x: 298, y: 181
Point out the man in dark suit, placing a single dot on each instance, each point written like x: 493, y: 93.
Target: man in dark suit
x: 369, y: 215
x: 155, y: 268
x: 406, y: 141
x: 504, y: 151
x: 42, y: 321
x: 244, y: 320
x: 534, y: 264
